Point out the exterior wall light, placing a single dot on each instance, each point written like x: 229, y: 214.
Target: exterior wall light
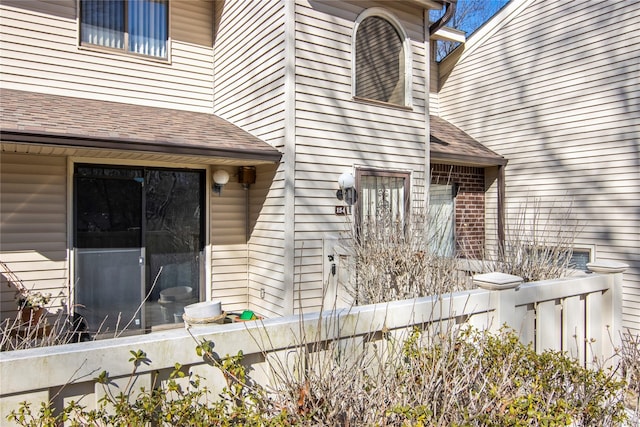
x: 246, y: 176
x: 347, y: 191
x: 220, y: 178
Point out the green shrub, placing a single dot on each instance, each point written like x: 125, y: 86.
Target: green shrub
x: 453, y: 378
x: 496, y: 380
x: 170, y: 404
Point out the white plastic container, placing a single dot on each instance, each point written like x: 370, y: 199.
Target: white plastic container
x: 203, y: 310
x: 178, y: 293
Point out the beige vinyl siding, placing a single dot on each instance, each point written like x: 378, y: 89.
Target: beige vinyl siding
x: 39, y: 43
x: 228, y: 230
x: 249, y: 91
x: 331, y: 132
x: 561, y: 103
x: 334, y: 133
x: 33, y: 220
x: 266, y: 264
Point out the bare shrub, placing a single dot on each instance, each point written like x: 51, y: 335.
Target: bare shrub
x: 56, y: 328
x: 539, y: 241
x: 629, y: 354
x: 46, y: 331
x: 442, y: 376
x: 395, y: 261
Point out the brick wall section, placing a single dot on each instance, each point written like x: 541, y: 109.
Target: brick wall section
x: 469, y: 206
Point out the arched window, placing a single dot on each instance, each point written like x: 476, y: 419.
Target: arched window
x: 381, y: 59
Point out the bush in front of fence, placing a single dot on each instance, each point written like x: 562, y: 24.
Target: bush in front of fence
x: 462, y: 377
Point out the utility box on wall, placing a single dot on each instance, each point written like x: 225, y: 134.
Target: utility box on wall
x: 338, y: 273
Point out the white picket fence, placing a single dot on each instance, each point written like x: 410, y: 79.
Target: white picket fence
x: 579, y: 315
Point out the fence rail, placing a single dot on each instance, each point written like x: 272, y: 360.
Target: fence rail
x: 579, y: 315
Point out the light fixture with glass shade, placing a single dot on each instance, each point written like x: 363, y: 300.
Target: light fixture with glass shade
x: 220, y: 178
x: 347, y: 191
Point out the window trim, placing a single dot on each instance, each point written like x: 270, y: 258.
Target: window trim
x: 392, y: 173
x: 90, y: 47
x: 590, y: 249
x: 408, y: 59
x: 204, y: 288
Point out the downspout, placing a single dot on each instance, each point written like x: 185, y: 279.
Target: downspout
x: 448, y: 14
x: 501, y: 209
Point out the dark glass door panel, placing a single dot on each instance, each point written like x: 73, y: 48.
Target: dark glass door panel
x: 109, y: 248
x: 138, y: 238
x: 173, y: 236
x: 108, y: 212
x: 108, y: 289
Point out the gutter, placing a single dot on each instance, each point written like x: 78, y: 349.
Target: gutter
x: 124, y: 144
x: 448, y: 14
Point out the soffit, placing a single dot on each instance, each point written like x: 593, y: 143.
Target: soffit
x: 108, y: 129
x: 450, y: 144
x: 427, y: 4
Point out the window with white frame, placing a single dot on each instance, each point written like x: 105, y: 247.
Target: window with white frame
x: 132, y: 26
x: 383, y: 200
x: 381, y: 59
x: 580, y: 257
x: 442, y: 219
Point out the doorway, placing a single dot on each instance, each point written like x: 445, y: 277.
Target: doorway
x: 138, y: 245
x: 442, y: 238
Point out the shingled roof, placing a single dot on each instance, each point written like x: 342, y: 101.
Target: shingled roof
x: 37, y: 118
x: 451, y: 144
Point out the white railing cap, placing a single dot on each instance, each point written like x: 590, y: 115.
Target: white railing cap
x: 607, y: 266
x: 497, y: 281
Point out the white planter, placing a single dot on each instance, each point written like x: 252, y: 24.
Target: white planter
x: 203, y: 310
x: 178, y: 293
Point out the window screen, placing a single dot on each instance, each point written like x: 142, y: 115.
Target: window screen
x: 380, y: 69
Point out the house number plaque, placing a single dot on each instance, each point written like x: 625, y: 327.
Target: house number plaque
x: 343, y: 210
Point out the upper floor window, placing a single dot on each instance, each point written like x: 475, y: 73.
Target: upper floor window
x: 133, y: 26
x: 382, y: 64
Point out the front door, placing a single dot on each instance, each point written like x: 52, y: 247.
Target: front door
x: 138, y: 243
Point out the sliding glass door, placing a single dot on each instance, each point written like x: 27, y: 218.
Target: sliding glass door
x: 138, y: 241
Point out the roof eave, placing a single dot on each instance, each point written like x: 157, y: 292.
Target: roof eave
x: 468, y: 160
x: 140, y: 146
x: 449, y: 34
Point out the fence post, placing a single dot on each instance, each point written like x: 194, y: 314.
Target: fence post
x: 503, y: 287
x: 610, y: 309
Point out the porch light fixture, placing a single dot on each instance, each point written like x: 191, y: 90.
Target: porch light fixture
x: 347, y: 191
x: 220, y: 178
x: 246, y: 176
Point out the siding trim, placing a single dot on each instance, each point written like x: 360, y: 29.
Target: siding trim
x: 289, y: 156
x: 406, y: 46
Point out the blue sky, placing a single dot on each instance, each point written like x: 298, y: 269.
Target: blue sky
x: 470, y: 15
x: 476, y: 13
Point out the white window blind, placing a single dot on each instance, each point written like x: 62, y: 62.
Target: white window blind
x: 136, y: 26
